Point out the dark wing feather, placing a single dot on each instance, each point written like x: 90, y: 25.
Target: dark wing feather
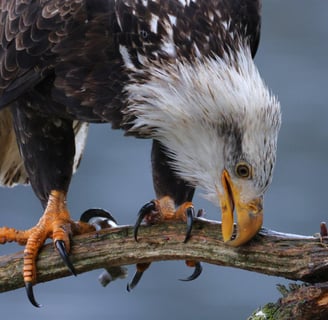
x: 90, y: 76
x: 73, y: 47
x: 246, y: 15
x: 70, y: 46
x: 28, y: 32
x: 12, y: 169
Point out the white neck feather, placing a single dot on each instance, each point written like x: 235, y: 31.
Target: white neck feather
x: 184, y: 105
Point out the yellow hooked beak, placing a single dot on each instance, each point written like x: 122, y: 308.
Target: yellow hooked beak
x: 249, y: 214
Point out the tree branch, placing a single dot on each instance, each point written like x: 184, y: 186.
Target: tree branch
x: 285, y: 255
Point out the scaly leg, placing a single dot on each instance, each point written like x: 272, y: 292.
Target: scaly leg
x: 56, y: 224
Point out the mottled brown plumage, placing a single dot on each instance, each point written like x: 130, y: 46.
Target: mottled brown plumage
x: 73, y: 46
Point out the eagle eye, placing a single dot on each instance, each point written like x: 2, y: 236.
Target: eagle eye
x: 243, y: 170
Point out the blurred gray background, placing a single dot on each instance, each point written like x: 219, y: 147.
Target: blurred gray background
x: 115, y: 174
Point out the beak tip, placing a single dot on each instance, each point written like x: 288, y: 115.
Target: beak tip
x: 247, y: 228
x: 249, y: 213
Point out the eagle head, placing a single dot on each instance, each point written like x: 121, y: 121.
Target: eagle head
x: 219, y: 123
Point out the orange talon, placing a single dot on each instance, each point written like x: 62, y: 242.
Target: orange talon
x: 163, y: 209
x: 56, y: 224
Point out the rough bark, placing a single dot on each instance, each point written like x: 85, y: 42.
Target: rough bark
x: 285, y: 255
x: 298, y: 302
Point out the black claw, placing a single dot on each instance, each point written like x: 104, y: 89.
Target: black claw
x: 146, y: 209
x: 137, y: 276
x: 197, y: 272
x: 30, y: 294
x: 96, y: 213
x: 190, y: 212
x: 60, y: 245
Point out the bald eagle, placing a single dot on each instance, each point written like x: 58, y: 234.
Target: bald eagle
x: 179, y: 72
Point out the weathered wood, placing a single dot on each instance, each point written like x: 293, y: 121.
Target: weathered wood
x: 284, y: 255
x: 298, y: 302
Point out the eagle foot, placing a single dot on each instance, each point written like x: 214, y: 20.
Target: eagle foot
x: 56, y: 224
x: 164, y: 210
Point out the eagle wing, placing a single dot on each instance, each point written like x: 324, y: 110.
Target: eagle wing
x: 75, y: 45
x: 28, y: 34
x: 67, y: 48
x: 12, y: 170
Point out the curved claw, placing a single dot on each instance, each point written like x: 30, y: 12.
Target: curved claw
x: 96, y: 213
x: 197, y: 272
x: 98, y: 218
x: 60, y: 245
x: 30, y: 294
x: 190, y: 212
x: 136, y: 278
x: 146, y: 209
